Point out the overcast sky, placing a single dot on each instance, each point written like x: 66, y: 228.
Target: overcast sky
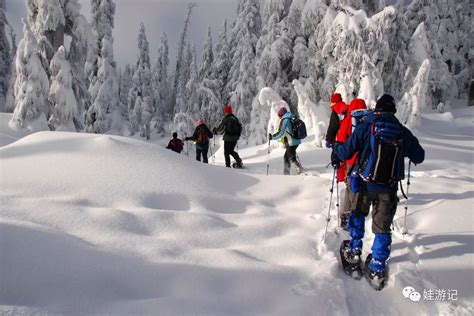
x: 157, y: 15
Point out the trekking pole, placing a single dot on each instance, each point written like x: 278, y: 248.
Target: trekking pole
x: 214, y: 149
x: 405, y: 230
x: 328, y: 218
x: 187, y: 149
x: 268, y: 155
x: 337, y: 204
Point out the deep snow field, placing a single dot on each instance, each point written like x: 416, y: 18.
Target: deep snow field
x: 98, y: 224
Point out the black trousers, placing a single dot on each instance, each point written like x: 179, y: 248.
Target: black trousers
x: 202, y: 151
x: 229, y: 151
x: 288, y: 158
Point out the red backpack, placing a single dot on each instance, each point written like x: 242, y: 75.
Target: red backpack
x: 202, y: 136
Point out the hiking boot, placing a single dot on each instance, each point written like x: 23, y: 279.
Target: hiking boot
x: 345, y: 222
x: 296, y: 165
x: 375, y: 274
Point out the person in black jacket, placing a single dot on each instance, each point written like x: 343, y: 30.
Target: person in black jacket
x: 201, y: 136
x: 230, y: 127
x: 338, y: 112
x: 175, y: 144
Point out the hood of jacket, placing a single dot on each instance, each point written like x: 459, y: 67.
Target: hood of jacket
x: 339, y: 108
x: 357, y: 104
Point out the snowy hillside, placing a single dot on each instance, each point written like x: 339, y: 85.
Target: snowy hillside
x: 96, y: 224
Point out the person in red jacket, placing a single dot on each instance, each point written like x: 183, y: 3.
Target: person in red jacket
x: 345, y: 131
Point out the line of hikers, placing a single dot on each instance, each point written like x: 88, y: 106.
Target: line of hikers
x: 288, y: 133
x: 368, y: 154
x: 229, y: 127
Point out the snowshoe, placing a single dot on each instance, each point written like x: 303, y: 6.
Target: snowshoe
x: 238, y: 165
x: 377, y: 280
x: 351, y: 262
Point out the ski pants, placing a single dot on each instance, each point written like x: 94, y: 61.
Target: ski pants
x: 384, y: 206
x: 229, y: 151
x: 288, y: 158
x: 202, y: 151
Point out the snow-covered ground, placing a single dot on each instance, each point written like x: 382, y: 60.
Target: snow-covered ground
x: 97, y: 224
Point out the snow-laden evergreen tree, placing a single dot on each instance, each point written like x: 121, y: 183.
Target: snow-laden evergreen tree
x: 4, y: 57
x: 31, y: 84
x: 161, y: 86
x: 415, y: 99
x: 245, y: 34
x: 81, y: 47
x: 103, y: 86
x: 10, y: 96
x: 205, y: 70
x: 191, y: 90
x: 185, y: 74
x: 221, y: 66
x: 61, y: 94
x: 140, y: 102
x: 178, y: 85
x: 125, y: 84
x: 315, y: 116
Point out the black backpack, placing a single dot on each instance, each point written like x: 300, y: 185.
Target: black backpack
x: 234, y: 128
x: 202, y: 136
x: 384, y: 161
x: 298, y: 128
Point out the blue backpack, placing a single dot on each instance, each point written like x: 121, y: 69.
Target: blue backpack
x: 384, y: 164
x: 298, y: 128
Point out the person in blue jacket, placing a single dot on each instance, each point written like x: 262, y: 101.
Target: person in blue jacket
x: 383, y: 196
x: 284, y: 135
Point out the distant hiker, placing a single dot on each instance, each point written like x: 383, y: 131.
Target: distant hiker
x: 175, y: 144
x: 284, y: 134
x: 338, y: 112
x: 231, y: 128
x: 201, y: 137
x: 359, y: 108
x: 382, y: 142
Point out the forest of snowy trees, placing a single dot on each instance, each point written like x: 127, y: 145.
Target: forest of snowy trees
x: 63, y: 71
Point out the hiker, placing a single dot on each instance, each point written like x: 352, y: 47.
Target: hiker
x: 358, y: 107
x: 283, y: 134
x: 231, y: 128
x: 382, y: 142
x: 338, y: 112
x: 175, y: 144
x: 201, y: 137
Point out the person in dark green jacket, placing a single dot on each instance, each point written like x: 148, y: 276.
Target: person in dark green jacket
x: 201, y: 136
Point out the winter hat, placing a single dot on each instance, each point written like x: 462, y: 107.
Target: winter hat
x: 200, y: 121
x: 385, y: 104
x: 175, y: 135
x: 227, y: 109
x: 282, y: 111
x: 336, y: 97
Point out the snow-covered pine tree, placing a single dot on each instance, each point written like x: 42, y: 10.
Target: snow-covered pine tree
x: 191, y: 90
x: 161, y: 86
x: 221, y: 66
x: 140, y: 103
x: 103, y: 80
x: 245, y: 35
x: 81, y: 47
x: 61, y: 94
x: 31, y: 84
x: 185, y: 69
x: 180, y: 59
x: 10, y: 97
x: 415, y: 99
x: 205, y: 70
x: 4, y: 58
x: 125, y: 84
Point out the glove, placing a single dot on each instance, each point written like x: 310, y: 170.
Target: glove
x: 335, y: 161
x: 214, y: 130
x: 270, y: 136
x: 328, y: 144
x: 187, y: 138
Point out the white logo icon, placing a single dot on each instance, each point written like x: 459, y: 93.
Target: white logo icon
x: 411, y: 293
x: 415, y: 296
